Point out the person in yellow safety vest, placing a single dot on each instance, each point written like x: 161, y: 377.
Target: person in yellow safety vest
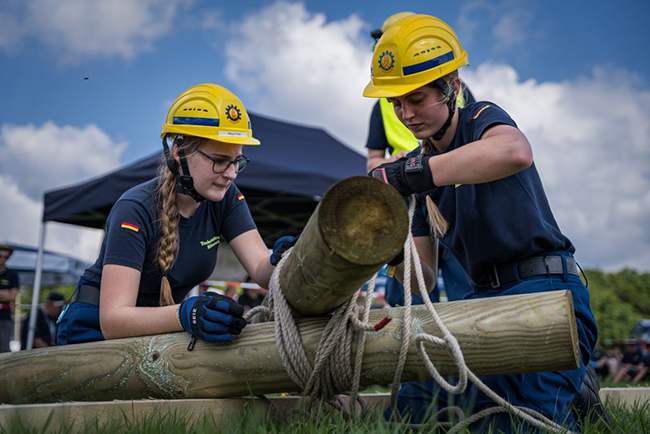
x: 386, y: 132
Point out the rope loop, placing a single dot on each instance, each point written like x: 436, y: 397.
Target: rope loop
x: 332, y: 374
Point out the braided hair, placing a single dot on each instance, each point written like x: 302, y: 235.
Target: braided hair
x: 168, y: 243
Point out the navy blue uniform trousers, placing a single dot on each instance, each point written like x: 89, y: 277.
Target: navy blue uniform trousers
x: 550, y: 393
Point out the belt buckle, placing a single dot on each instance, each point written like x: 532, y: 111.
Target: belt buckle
x: 495, y: 284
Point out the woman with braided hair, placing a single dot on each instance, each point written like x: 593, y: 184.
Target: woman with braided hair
x: 477, y: 189
x: 162, y: 236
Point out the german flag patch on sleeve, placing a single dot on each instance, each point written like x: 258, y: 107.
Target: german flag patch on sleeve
x: 240, y: 196
x: 480, y: 111
x: 130, y: 226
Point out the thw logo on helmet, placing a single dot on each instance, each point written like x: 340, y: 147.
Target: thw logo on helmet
x: 233, y: 113
x: 386, y: 61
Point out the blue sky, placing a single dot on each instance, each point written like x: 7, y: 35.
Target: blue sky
x: 574, y: 75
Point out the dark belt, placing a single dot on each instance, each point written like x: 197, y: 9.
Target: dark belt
x: 87, y: 294
x: 502, y: 274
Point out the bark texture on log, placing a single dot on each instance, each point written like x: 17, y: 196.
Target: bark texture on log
x: 503, y: 335
x: 360, y: 224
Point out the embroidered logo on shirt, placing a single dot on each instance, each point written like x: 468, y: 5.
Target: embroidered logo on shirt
x: 130, y: 226
x: 458, y: 185
x: 208, y: 244
x: 5, y: 282
x: 240, y: 196
x: 480, y: 110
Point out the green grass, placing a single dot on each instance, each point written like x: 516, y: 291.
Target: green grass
x: 607, y: 382
x: 626, y: 421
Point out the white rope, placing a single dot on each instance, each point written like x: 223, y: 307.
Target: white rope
x: 332, y: 373
x: 450, y: 343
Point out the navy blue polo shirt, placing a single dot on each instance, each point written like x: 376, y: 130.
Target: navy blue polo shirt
x: 494, y: 222
x: 376, y: 131
x: 132, y: 233
x: 8, y: 280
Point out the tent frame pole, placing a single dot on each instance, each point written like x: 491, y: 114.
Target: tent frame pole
x: 36, y: 293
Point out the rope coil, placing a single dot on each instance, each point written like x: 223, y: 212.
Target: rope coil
x: 332, y: 374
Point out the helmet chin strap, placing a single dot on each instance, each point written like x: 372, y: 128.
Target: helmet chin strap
x: 448, y: 92
x: 185, y: 183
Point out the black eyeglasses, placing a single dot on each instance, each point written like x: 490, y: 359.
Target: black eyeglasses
x: 221, y: 164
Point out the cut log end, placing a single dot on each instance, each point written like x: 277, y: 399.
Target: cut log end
x: 573, y: 328
x: 364, y: 221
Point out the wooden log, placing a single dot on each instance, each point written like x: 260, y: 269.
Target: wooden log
x: 360, y: 224
x: 504, y: 335
x: 221, y: 412
x: 630, y: 397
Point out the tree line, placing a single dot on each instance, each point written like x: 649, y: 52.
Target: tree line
x: 619, y: 300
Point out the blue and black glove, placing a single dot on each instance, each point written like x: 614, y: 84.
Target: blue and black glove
x: 408, y: 174
x: 211, y: 317
x: 281, y: 246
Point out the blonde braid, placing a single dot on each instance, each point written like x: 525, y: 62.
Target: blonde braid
x: 168, y: 244
x: 168, y: 241
x: 437, y: 222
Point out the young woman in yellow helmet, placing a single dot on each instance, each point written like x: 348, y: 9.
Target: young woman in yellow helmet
x: 162, y: 236
x: 478, y: 190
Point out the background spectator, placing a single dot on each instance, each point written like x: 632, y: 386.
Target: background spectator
x: 606, y: 363
x: 251, y: 297
x: 231, y: 291
x: 48, y: 313
x: 632, y: 366
x: 8, y: 290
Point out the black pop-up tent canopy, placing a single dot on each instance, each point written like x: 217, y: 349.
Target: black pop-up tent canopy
x: 288, y: 173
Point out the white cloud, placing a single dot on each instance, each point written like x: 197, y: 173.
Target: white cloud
x: 76, y: 29
x: 21, y: 219
x: 39, y: 158
x: 35, y: 159
x: 20, y: 215
x: 292, y: 64
x: 589, y: 135
x: 508, y: 22
x: 591, y: 140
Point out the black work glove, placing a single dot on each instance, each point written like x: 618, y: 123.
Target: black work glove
x: 211, y: 317
x: 397, y: 259
x: 281, y: 246
x: 408, y: 174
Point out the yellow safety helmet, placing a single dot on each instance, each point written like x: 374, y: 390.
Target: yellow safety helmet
x: 393, y: 19
x: 212, y: 112
x: 413, y: 52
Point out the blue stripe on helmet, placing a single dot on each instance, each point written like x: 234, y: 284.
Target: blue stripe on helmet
x: 432, y: 63
x: 206, y: 122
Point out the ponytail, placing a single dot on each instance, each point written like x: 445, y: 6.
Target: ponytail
x: 437, y: 222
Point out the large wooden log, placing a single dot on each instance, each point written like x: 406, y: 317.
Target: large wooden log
x: 222, y: 412
x: 504, y: 335
x: 360, y: 224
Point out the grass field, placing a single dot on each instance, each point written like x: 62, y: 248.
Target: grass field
x: 626, y: 421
